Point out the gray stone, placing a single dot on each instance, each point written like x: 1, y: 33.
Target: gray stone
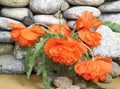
x: 108, y: 79
x: 28, y: 21
x: 70, y: 87
x: 64, y: 6
x: 115, y: 70
x: 110, y: 7
x: 8, y: 64
x: 45, y: 6
x: 14, y: 3
x: 110, y: 43
x: 5, y: 37
x: 4, y: 23
x: 112, y: 17
x: 110, y: 0
x: 71, y: 24
x: 6, y: 49
x: 18, y: 52
x: 73, y: 12
x: 86, y: 2
x: 46, y: 19
x: 62, y: 82
x: 15, y: 13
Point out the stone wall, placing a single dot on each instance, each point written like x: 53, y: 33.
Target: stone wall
x: 43, y: 11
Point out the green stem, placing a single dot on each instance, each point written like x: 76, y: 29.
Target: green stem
x: 47, y: 31
x: 60, y: 21
x: 91, y: 52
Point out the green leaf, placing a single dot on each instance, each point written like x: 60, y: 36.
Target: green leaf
x: 31, y: 57
x: 40, y: 69
x: 85, y: 57
x: 113, y: 26
x: 45, y: 79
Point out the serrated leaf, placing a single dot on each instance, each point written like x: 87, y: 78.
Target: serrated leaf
x: 45, y: 80
x: 113, y: 26
x: 30, y: 59
x: 40, y: 69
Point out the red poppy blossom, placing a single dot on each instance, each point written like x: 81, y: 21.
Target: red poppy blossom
x: 86, y: 27
x: 25, y: 36
x: 56, y: 28
x: 92, y: 39
x: 64, y: 51
x: 94, y: 69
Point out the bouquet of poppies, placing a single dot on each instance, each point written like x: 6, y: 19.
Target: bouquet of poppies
x: 56, y: 47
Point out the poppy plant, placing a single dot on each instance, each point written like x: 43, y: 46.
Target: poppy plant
x: 56, y: 46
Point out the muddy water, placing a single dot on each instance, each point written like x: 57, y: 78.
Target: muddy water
x: 18, y: 82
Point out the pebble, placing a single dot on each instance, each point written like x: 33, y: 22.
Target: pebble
x: 62, y: 82
x: 18, y: 52
x: 5, y: 37
x: 110, y: 43
x: 65, y: 6
x: 73, y: 12
x: 46, y: 19
x: 9, y: 65
x: 86, y: 2
x: 108, y: 79
x: 14, y: 3
x: 6, y: 49
x: 4, y: 23
x: 112, y: 17
x: 115, y: 70
x: 15, y: 13
x: 70, y: 87
x: 45, y: 6
x: 28, y: 21
x: 71, y: 24
x: 110, y: 7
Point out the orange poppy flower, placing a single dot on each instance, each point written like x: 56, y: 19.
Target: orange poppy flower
x: 56, y: 28
x: 94, y: 69
x: 25, y: 36
x: 92, y: 39
x: 87, y: 21
x: 16, y: 28
x: 62, y: 51
x: 86, y: 27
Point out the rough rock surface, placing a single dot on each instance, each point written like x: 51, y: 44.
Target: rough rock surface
x: 72, y: 12
x: 115, y: 18
x: 4, y: 23
x: 15, y: 13
x: 18, y: 52
x: 110, y: 7
x: 6, y: 49
x: 115, y: 70
x: 62, y: 82
x: 86, y: 2
x: 108, y: 79
x: 110, y: 43
x: 5, y: 37
x: 8, y: 64
x: 46, y: 19
x: 45, y: 6
x: 70, y: 87
x: 14, y: 3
